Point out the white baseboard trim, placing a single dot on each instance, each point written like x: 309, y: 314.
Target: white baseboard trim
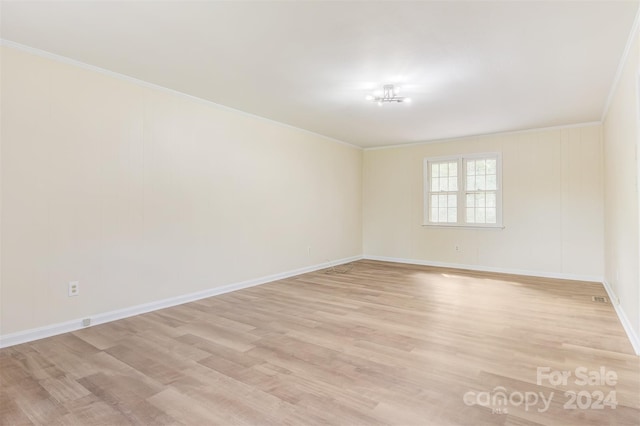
x: 558, y: 275
x: 101, y: 318
x: 622, y: 316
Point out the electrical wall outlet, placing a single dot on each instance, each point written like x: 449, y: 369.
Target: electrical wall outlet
x: 86, y: 322
x: 74, y: 288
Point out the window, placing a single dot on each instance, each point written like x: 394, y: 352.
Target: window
x: 463, y: 190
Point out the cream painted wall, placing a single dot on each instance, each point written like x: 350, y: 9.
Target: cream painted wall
x: 552, y: 205
x: 141, y: 194
x: 620, y: 137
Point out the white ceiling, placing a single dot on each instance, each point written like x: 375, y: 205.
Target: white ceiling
x: 469, y: 67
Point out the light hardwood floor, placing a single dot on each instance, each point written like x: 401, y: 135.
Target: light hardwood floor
x: 381, y: 344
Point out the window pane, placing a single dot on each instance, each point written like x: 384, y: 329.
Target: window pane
x: 491, y: 215
x: 471, y: 215
x: 453, y: 183
x: 490, y: 199
x: 480, y: 167
x: 471, y: 168
x: 434, y: 201
x: 435, y: 184
x: 435, y: 170
x: 453, y: 169
x: 491, y: 182
x: 444, y: 184
x: 452, y: 201
x: 442, y: 215
x: 471, y: 183
x: 480, y: 183
x: 491, y: 166
x: 470, y: 200
x: 480, y: 215
x: 452, y: 215
x: 444, y: 169
x: 434, y: 214
x: 479, y: 200
x: 442, y: 200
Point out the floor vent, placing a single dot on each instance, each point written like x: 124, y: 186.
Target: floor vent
x: 600, y: 299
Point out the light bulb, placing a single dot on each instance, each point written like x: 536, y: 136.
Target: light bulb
x: 369, y: 98
x: 407, y: 99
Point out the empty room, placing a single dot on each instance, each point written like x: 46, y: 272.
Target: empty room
x: 319, y: 213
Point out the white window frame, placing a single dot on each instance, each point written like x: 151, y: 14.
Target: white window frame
x: 461, y: 192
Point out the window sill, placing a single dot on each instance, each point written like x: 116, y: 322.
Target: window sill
x: 484, y: 227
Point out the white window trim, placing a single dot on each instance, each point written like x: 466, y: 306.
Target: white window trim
x: 461, y: 191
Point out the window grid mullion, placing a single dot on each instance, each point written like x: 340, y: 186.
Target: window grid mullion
x: 461, y: 181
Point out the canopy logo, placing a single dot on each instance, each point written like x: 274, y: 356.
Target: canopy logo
x: 500, y: 399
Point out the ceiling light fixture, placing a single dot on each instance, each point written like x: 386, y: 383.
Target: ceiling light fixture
x: 389, y: 94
